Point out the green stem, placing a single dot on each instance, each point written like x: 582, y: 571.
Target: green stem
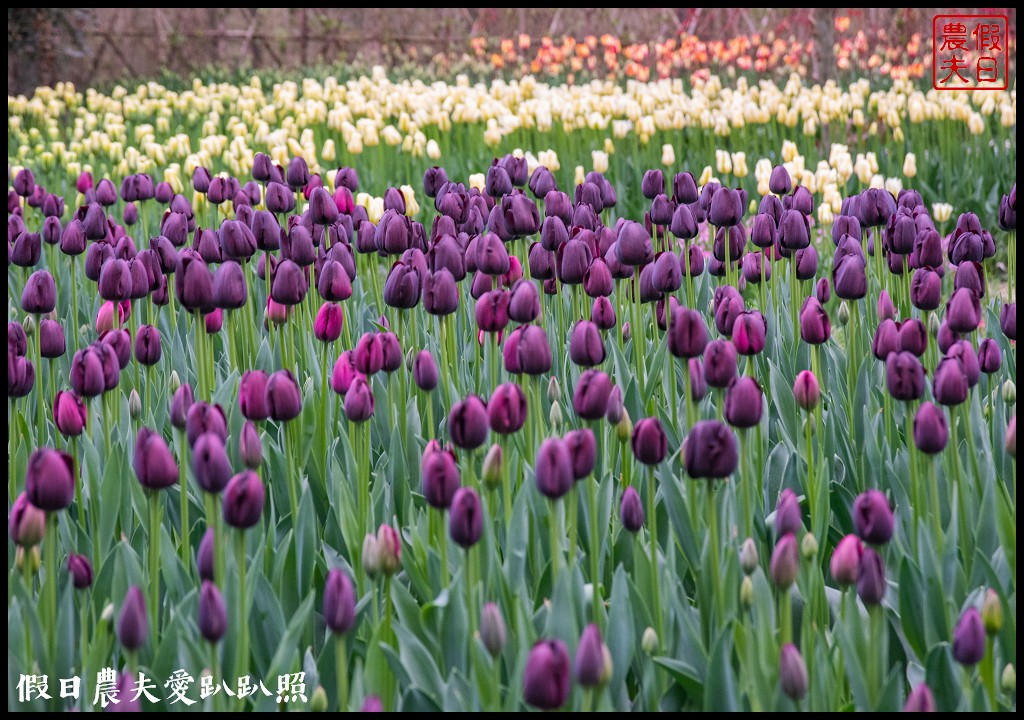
x: 652, y: 521
x: 154, y: 561
x: 50, y: 548
x: 341, y: 668
x: 555, y: 548
x: 915, y: 480
x: 186, y: 550
x: 936, y: 519
x: 595, y: 545
x: 242, y: 662
x: 785, y: 616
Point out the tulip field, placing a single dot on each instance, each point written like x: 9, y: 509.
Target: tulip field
x: 372, y: 394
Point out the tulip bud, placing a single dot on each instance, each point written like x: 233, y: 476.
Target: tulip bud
x: 372, y: 703
x: 992, y: 612
x: 81, y: 571
x: 339, y: 606
x: 871, y: 578
x: 491, y: 472
x: 624, y: 428
x: 1009, y: 392
x: 1009, y: 678
x: 424, y: 371
x: 749, y: 559
x: 969, y: 638
x: 555, y: 416
x: 244, y: 497
x: 50, y: 479
x: 710, y: 450
x: 283, y: 396
x: 546, y: 676
x: 806, y: 390
x: 590, y: 668
x: 213, y: 618
x: 649, y: 642
x: 553, y: 468
x: 784, y: 562
x: 554, y: 391
x: 792, y: 672
x: 492, y: 629
x: 787, y: 514
x: 631, y: 510
x: 132, y: 622
x: 465, y: 521
x: 809, y: 546
x: 468, y: 423
x: 69, y: 414
x: 746, y: 592
x: 250, y: 447
x: 872, y: 517
x: 846, y: 560
x: 390, y: 549
x: 134, y: 404
x: 743, y: 402
x: 318, y: 701
x: 204, y: 556
x: 371, y: 556
x: 920, y: 700
x: 931, y: 432
x: 26, y: 523
x: 844, y: 313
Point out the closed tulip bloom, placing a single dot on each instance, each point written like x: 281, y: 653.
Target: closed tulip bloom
x: 719, y: 363
x: 931, y: 432
x: 755, y: 267
x: 524, y: 302
x: 815, y: 327
x: 920, y: 700
x: 904, y: 376
x: 950, y: 385
x: 328, y: 323
x: 963, y: 311
x: 963, y: 352
x: 72, y: 239
x: 520, y: 214
x: 115, y: 281
x: 792, y: 673
x: 683, y: 224
x: 1011, y: 437
x: 653, y: 184
x: 726, y: 208
x: 69, y: 414
x: 119, y: 342
x: 229, y: 288
x: 250, y: 447
x: 710, y: 450
x: 132, y: 622
x: 492, y: 629
x: 147, y: 345
x: 846, y: 560
x: 728, y: 305
x: 743, y: 402
x: 591, y: 396
x: 748, y: 332
x: 806, y: 390
x: 339, y: 606
x: 26, y: 523
x: 210, y: 464
x: 402, y: 287
x: 598, y: 280
x: 590, y: 668
x: 288, y: 284
x: 507, y: 409
x: 542, y: 182
x: 50, y: 479
x: 553, y: 469
x: 181, y: 401
x: 631, y: 510
x: 492, y: 311
x: 344, y: 373
x: 24, y: 183
x: 533, y: 353
x: 359, y: 400
x: 872, y: 517
x: 213, y: 616
x: 684, y: 188
x: 243, y: 500
x: 546, y: 676
x: 468, y: 422
x: 787, y: 514
x: 582, y: 447
x: 884, y: 308
x: 913, y: 336
x: 785, y: 562
x: 871, y: 584
x: 333, y: 282
x: 203, y: 417
x: 27, y: 250
x: 970, y: 275
x: 990, y: 358
x: 153, y: 463
x: 40, y: 293
x: 688, y: 335
x: 586, y: 346
x: 440, y: 477
x: 81, y: 571
x: 283, y: 396
x: 649, y: 443
x: 193, y: 282
x: 886, y: 340
x: 440, y: 293
x: 252, y: 395
x: 794, y: 232
x: 779, y: 182
x: 424, y: 371
x: 822, y: 291
x: 368, y: 357
x: 465, y: 522
x: 849, y: 278
x: 969, y: 638
x: 634, y: 244
x: 1008, y: 320
x: 109, y: 360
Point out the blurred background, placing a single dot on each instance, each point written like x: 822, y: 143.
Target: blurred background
x: 102, y: 46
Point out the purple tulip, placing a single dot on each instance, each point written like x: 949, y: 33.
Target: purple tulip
x: 785, y: 562
x: 743, y: 402
x: 788, y: 519
x: 590, y: 669
x: 846, y: 560
x: 210, y: 463
x: 871, y: 584
x: 631, y: 510
x: 748, y: 332
x: 963, y: 311
x: 359, y: 400
x: 81, y: 571
x: 806, y: 390
x: 69, y: 414
x: 886, y: 340
x: 26, y: 523
x: 533, y: 353
x: 913, y: 336
x: 792, y: 672
x: 719, y: 363
x: 250, y: 447
x: 969, y: 638
x: 1008, y: 320
x: 283, y: 396
x: 582, y: 447
x: 688, y: 335
x: 546, y: 675
x: 339, y: 606
x: 424, y: 371
x: 132, y: 623
x: 202, y: 418
x: 465, y: 523
x: 931, y: 432
x: 904, y: 376
x: 468, y: 422
x: 710, y: 450
x: 815, y: 327
x: 920, y: 700
x: 950, y: 386
x: 328, y: 323
x: 153, y: 463
x: 213, y: 616
x: 492, y: 629
x: 872, y: 517
x: 243, y: 500
x: 553, y: 469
